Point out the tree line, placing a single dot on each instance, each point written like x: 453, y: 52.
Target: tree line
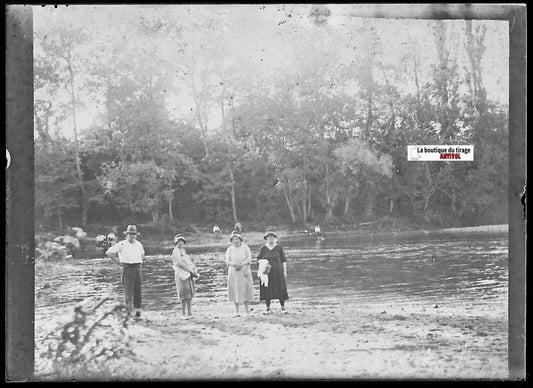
x: 323, y: 141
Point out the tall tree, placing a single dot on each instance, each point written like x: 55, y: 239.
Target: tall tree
x: 61, y: 44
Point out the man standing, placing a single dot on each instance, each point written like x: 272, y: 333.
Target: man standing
x: 130, y: 253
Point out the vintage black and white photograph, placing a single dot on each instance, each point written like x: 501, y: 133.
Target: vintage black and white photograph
x: 226, y: 192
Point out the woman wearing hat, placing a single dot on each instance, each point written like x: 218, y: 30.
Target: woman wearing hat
x: 184, y: 271
x: 240, y: 283
x: 276, y: 287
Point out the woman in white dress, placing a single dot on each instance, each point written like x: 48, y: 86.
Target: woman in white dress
x: 240, y: 283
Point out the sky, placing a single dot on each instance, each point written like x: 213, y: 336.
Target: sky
x: 269, y: 26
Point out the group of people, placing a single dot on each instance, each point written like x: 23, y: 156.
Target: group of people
x: 104, y: 242
x: 218, y: 232
x: 272, y: 271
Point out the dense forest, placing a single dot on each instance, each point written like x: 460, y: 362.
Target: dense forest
x: 203, y: 115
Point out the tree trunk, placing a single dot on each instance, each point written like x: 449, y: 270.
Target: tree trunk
x: 346, y: 206
x: 232, y: 192
x: 304, y: 204
x: 330, y: 202
x: 328, y: 199
x: 369, y: 208
x: 417, y: 84
x: 370, y: 103
x: 475, y: 50
x: 155, y: 216
x: 304, y: 190
x: 329, y: 210
x: 41, y: 128
x: 201, y: 123
x: 289, y: 202
x: 426, y: 204
x: 76, y: 144
x: 370, y: 202
x: 60, y: 221
x: 329, y: 213
x: 309, y: 201
x: 393, y: 117
x: 228, y: 163
x: 257, y: 197
x: 442, y: 78
x: 170, y: 215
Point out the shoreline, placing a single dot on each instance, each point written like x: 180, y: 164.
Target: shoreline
x: 208, y: 241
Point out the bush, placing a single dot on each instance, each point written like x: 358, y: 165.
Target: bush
x: 87, y: 345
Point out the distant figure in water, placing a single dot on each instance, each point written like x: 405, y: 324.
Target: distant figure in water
x: 238, y: 227
x: 272, y: 255
x: 111, y: 238
x: 79, y: 232
x: 184, y: 273
x: 318, y: 233
x: 101, y: 243
x: 217, y: 231
x: 80, y: 235
x: 240, y: 283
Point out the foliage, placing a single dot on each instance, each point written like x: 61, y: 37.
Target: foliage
x: 86, y: 346
x: 56, y: 185
x: 318, y: 137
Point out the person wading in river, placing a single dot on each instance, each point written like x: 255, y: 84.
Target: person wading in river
x: 240, y: 283
x: 277, y: 288
x: 217, y: 232
x: 184, y: 273
x: 130, y: 253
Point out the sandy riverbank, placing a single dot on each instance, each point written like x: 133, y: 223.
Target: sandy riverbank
x: 504, y: 228
x: 325, y: 339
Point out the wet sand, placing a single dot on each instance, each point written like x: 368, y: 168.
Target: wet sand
x: 321, y: 338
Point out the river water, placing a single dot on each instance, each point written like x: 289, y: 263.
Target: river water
x: 471, y: 269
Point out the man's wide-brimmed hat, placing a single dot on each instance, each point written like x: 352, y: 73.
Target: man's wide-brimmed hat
x: 179, y: 237
x: 269, y: 232
x: 131, y: 229
x: 235, y: 234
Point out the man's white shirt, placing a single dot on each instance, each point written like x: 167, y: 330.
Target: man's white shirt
x: 128, y: 252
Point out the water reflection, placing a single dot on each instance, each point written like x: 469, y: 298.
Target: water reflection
x: 471, y: 268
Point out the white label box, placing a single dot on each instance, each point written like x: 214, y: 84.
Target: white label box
x: 440, y: 153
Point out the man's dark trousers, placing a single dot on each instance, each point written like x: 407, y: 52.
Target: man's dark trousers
x: 131, y: 281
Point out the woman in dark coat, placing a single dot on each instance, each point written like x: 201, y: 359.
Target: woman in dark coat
x: 276, y: 268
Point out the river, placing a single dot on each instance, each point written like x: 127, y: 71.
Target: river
x: 472, y: 269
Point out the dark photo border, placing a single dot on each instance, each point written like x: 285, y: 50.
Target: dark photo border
x: 20, y: 246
